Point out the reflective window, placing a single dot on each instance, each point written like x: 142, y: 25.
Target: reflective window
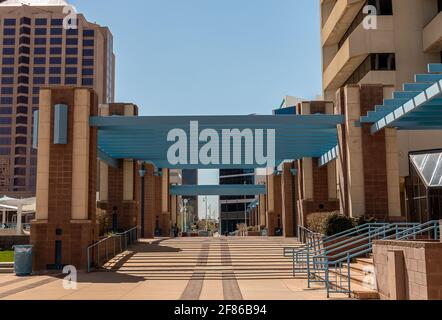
x: 40, y: 31
x: 40, y: 22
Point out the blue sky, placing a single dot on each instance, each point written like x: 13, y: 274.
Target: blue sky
x: 177, y: 57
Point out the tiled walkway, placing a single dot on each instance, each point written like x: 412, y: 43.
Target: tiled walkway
x: 187, y: 269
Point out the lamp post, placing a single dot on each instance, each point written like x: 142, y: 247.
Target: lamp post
x: 186, y: 201
x: 245, y: 213
x: 142, y: 173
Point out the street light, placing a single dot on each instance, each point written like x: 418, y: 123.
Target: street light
x: 185, y: 201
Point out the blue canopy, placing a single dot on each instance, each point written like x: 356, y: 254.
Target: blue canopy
x: 417, y: 107
x: 145, y: 138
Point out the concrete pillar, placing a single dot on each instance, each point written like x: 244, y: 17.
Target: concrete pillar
x: 3, y: 217
x: 393, y: 178
x: 288, y: 200
x: 66, y: 180
x: 19, y: 228
x: 262, y: 210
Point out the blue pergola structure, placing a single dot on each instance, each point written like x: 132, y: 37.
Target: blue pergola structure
x: 417, y: 107
x: 145, y: 138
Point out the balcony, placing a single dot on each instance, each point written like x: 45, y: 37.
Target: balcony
x: 433, y: 35
x: 356, y: 49
x: 339, y: 21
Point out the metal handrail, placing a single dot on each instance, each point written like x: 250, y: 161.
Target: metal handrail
x: 322, y: 263
x: 130, y: 236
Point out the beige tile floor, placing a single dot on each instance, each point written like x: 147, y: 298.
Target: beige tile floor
x: 171, y: 269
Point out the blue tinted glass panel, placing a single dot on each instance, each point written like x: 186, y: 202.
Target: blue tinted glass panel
x: 56, y: 41
x: 6, y: 100
x: 9, y: 41
x: 72, y: 41
x: 56, y: 50
x: 71, y: 70
x: 8, y: 61
x: 7, y: 80
x: 54, y: 60
x: 41, y: 22
x: 7, y: 90
x: 9, y: 32
x: 39, y: 80
x: 40, y: 31
x: 39, y: 50
x: 88, y: 62
x: 54, y: 80
x: 71, y: 60
x: 56, y: 31
x: 39, y: 70
x: 8, y: 70
x: 72, y: 51
x: 88, y: 33
x: 8, y: 51
x: 88, y: 82
x: 40, y: 41
x: 9, y: 22
x: 88, y: 42
x: 71, y: 80
x: 88, y: 72
x: 6, y: 110
x: 54, y: 70
x: 39, y: 60
x: 88, y: 52
x: 72, y: 32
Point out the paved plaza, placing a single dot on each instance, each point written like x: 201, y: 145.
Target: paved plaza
x: 180, y: 269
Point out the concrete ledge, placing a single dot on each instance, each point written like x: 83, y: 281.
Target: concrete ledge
x: 410, y: 244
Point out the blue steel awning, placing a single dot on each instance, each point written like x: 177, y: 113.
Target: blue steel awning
x: 145, y: 138
x: 417, y: 107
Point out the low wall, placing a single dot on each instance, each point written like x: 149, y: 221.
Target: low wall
x: 8, y: 241
x: 408, y: 270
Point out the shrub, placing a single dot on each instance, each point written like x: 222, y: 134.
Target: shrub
x: 316, y: 221
x: 336, y: 223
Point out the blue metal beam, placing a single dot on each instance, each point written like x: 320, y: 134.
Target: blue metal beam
x: 218, y: 190
x: 114, y: 163
x: 435, y: 68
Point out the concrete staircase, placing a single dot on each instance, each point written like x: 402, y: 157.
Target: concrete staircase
x: 360, y: 270
x: 6, y: 267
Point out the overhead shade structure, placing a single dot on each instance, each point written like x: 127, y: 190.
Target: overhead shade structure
x: 417, y: 107
x: 145, y: 138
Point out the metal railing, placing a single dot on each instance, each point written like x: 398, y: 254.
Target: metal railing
x: 101, y: 252
x: 327, y: 259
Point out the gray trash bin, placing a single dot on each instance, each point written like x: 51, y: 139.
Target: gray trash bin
x: 23, y: 260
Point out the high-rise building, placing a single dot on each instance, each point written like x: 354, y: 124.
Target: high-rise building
x: 37, y: 51
x: 233, y: 207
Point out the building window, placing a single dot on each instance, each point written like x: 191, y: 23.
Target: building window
x: 39, y: 70
x: 88, y: 62
x: 24, y: 40
x: 40, y: 31
x: 55, y: 60
x: 88, y: 42
x: 23, y: 69
x: 54, y: 70
x: 39, y: 50
x: 88, y: 52
x: 23, y: 89
x: 7, y: 80
x: 25, y: 30
x: 71, y: 71
x: 56, y: 31
x: 39, y: 60
x: 71, y: 51
x: 54, y: 80
x: 39, y: 80
x: 6, y: 120
x: 24, y: 50
x: 71, y: 41
x: 88, y: 33
x: 71, y: 60
x: 7, y: 90
x: 25, y: 20
x: 22, y: 110
x: 8, y: 51
x: 5, y: 151
x: 88, y: 72
x: 4, y: 141
x: 8, y: 61
x: 5, y: 130
x: 24, y: 60
x: 55, y: 51
x: 88, y: 82
x: 9, y: 22
x: 8, y: 70
x: 40, y: 41
x: 20, y: 161
x: 374, y: 62
x: 6, y: 110
x: 6, y: 100
x: 56, y: 22
x: 56, y: 41
x: 72, y: 32
x: 41, y: 22
x: 9, y: 32
x: 70, y: 80
x: 9, y: 41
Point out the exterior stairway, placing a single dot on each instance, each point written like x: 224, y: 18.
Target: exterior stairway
x: 361, y: 272
x: 6, y: 267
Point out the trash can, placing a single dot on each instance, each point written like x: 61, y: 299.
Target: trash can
x: 23, y: 260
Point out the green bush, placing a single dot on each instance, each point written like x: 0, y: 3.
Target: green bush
x: 316, y: 222
x: 336, y: 223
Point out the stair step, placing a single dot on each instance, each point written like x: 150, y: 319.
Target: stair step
x: 357, y: 277
x: 366, y: 261
x: 6, y: 270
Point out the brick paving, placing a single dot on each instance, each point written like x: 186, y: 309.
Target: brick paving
x: 187, y: 269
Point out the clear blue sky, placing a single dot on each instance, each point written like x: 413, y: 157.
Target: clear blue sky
x: 197, y: 57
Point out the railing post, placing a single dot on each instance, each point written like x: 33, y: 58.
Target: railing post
x: 348, y: 275
x: 308, y: 269
x: 107, y: 251
x: 327, y: 280
x: 435, y: 230
x: 88, y: 261
x: 98, y: 255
